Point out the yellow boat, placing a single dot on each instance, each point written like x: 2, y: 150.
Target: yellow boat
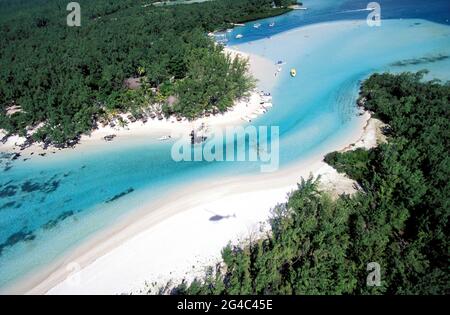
x: 293, y: 72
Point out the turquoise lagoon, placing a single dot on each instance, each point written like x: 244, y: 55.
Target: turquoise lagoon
x: 50, y: 205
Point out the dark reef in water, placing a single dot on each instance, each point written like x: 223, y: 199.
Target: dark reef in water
x: 418, y: 61
x: 7, y: 167
x: 54, y: 222
x: 7, y: 183
x: 22, y: 236
x: 5, y: 155
x: 6, y: 160
x: 47, y: 187
x: 7, y: 205
x: 122, y: 194
x: 8, y: 191
x: 30, y: 187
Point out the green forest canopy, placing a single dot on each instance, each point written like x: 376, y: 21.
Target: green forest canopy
x: 67, y: 77
x: 398, y: 219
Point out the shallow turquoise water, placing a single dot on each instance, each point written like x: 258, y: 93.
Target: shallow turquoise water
x: 49, y: 205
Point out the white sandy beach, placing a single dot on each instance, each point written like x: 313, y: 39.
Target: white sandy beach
x: 176, y: 239
x: 243, y: 111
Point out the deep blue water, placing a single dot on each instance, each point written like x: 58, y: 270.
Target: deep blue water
x: 327, y: 10
x: 48, y: 205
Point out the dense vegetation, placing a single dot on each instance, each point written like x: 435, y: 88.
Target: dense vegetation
x: 63, y: 79
x: 212, y: 82
x: 399, y: 219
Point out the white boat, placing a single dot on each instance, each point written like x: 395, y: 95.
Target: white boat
x: 239, y: 36
x: 164, y: 138
x: 272, y: 24
x: 257, y: 25
x: 299, y: 7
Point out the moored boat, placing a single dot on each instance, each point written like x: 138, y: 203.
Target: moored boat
x: 293, y: 72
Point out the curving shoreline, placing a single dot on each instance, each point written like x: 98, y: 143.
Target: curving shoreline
x: 120, y: 259
x: 164, y: 239
x: 104, y: 241
x: 242, y: 112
